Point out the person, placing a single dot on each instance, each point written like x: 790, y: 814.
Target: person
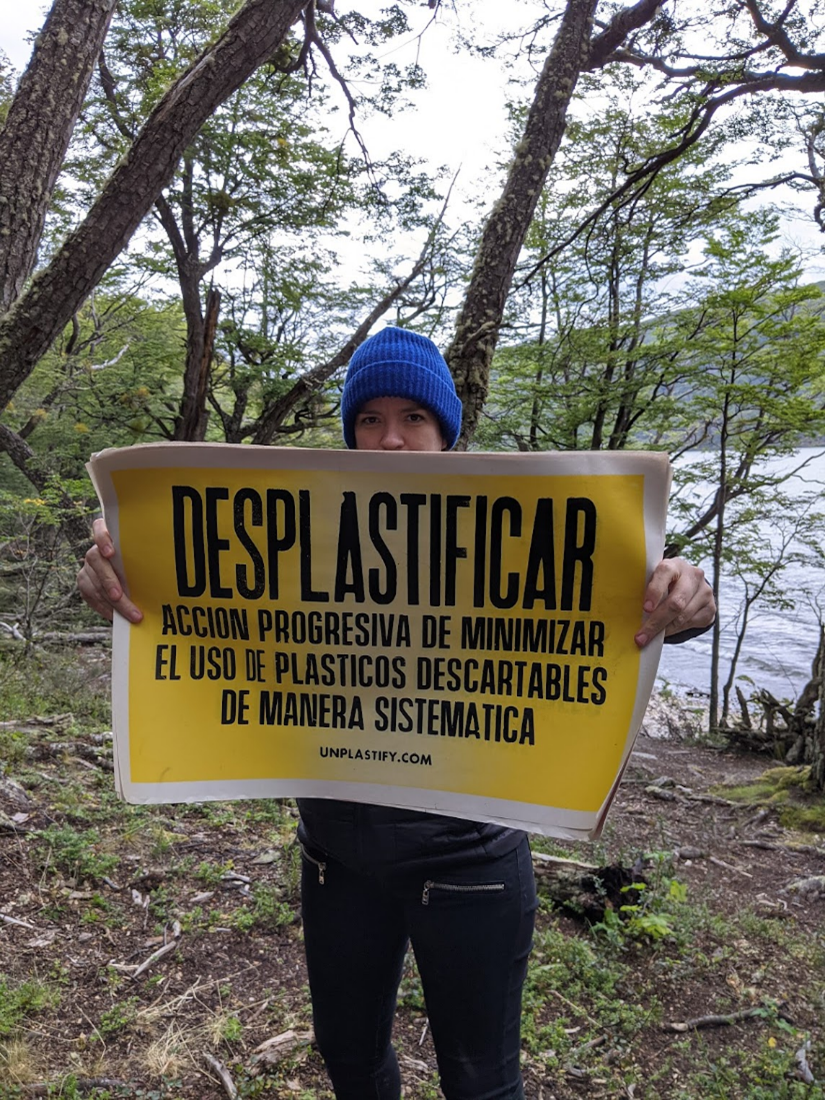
x: 375, y: 878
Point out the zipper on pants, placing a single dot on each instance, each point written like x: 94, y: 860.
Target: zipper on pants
x: 322, y: 867
x: 460, y: 888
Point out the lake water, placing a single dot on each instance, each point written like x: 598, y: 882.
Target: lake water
x: 780, y: 644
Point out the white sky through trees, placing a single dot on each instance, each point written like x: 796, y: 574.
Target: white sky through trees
x: 460, y: 117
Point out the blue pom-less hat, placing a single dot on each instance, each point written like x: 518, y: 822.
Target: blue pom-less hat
x: 398, y: 363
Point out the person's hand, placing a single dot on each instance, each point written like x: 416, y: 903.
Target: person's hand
x: 99, y: 584
x: 677, y: 598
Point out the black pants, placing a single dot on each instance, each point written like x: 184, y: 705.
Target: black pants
x: 471, y: 929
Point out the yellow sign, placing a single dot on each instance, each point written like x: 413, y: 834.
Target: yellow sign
x: 451, y: 633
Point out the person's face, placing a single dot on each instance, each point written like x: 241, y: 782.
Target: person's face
x: 397, y: 424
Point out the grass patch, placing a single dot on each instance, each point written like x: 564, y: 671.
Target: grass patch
x: 75, y: 853
x: 268, y: 911
x: 119, y: 1017
x: 13, y: 746
x: 586, y: 982
x: 765, y: 1074
x: 790, y: 790
x: 805, y: 819
x: 18, y: 1000
x: 52, y: 683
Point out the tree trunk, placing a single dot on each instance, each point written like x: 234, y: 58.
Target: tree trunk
x: 722, y: 490
x: 40, y: 121
x: 541, y: 353
x: 817, y: 750
x: 471, y: 351
x: 36, y: 319
x: 190, y: 425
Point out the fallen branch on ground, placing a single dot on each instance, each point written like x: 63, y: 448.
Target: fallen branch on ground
x: 13, y: 920
x: 721, y: 1021
x: 790, y: 849
x: 711, y: 799
x: 545, y: 864
x: 155, y: 957
x: 801, y: 1059
x: 729, y: 867
x: 274, y: 1050
x: 224, y: 1075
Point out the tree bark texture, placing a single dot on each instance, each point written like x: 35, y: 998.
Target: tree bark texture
x: 34, y: 140
x: 35, y: 320
x: 191, y: 422
x: 471, y: 351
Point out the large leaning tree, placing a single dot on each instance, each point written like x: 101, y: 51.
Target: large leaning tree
x: 33, y: 145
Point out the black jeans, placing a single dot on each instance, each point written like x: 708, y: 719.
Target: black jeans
x: 471, y: 929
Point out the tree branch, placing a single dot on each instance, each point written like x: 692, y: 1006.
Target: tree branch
x: 333, y: 68
x: 272, y: 420
x: 620, y: 26
x: 776, y: 35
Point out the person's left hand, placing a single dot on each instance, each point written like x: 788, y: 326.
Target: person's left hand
x: 677, y: 598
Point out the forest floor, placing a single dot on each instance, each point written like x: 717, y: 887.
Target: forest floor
x: 152, y: 951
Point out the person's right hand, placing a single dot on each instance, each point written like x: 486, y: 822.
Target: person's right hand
x: 99, y: 584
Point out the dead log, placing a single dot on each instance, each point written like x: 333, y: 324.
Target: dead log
x: 81, y: 637
x: 59, y: 637
x: 40, y: 720
x: 584, y: 890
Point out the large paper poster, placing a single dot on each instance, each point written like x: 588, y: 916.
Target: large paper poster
x: 446, y: 632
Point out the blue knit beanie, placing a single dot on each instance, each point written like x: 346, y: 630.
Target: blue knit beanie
x: 398, y: 363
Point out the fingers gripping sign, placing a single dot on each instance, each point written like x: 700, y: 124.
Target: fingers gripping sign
x: 677, y: 598
x: 98, y: 581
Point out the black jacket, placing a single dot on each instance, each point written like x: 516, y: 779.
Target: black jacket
x: 385, y: 840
